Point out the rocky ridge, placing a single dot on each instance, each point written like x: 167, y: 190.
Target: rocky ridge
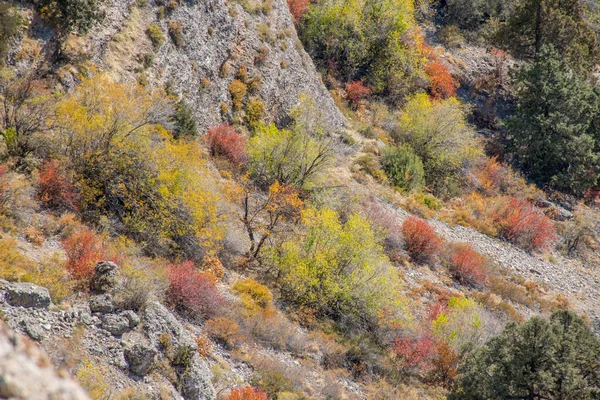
x: 128, y: 342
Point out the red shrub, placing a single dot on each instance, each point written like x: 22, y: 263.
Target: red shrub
x: 224, y: 141
x: 298, y: 9
x: 192, y: 291
x: 420, y: 239
x: 525, y: 225
x: 54, y: 190
x: 432, y: 359
x: 467, y: 266
x: 356, y: 91
x: 84, y: 249
x: 415, y: 352
x: 442, y: 83
x: 247, y: 393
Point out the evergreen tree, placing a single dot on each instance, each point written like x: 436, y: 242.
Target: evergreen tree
x: 551, y: 133
x: 185, y: 124
x: 555, y: 359
x: 560, y: 23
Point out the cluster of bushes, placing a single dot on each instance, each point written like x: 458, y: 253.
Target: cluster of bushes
x: 106, y: 139
x: 370, y: 40
x: 71, y: 15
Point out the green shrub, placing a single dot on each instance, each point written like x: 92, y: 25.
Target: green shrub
x: 403, y: 167
x: 71, y: 15
x: 185, y: 123
x: 438, y: 133
x: 156, y: 35
x: 292, y: 156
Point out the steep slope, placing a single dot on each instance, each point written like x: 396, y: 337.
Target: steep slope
x: 216, y: 39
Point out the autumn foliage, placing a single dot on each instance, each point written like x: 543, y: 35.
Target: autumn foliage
x: 356, y: 91
x: 54, y: 189
x: 247, y: 393
x: 523, y: 224
x: 298, y: 8
x: 442, y: 83
x: 420, y: 239
x: 192, y: 291
x: 83, y: 249
x: 224, y: 141
x: 431, y: 358
x: 467, y: 265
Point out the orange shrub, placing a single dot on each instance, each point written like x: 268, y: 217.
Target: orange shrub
x: 467, y: 265
x: 247, y: 393
x: 523, y: 224
x: 54, y: 189
x: 356, y: 91
x: 298, y: 9
x: 420, y: 239
x: 225, y: 331
x: 84, y: 249
x: 442, y: 83
x: 491, y: 177
x: 224, y: 141
x: 193, y: 292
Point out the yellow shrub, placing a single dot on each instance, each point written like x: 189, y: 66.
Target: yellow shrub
x: 93, y: 378
x: 13, y: 264
x: 51, y: 274
x: 237, y: 90
x: 254, y: 295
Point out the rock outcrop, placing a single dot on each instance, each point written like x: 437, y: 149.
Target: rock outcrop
x: 27, y: 295
x: 216, y: 39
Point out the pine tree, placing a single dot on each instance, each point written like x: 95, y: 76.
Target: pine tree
x: 551, y: 133
x: 560, y: 23
x: 555, y: 359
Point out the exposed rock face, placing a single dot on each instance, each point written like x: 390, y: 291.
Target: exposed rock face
x: 196, y: 380
x: 141, y: 358
x: 25, y: 372
x: 218, y: 37
x: 26, y: 295
x: 106, y: 277
x: 194, y: 385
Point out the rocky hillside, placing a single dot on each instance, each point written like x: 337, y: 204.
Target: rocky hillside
x: 200, y: 48
x: 297, y: 200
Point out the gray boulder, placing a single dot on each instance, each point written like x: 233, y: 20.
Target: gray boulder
x: 132, y: 317
x: 141, y: 358
x: 33, y: 328
x: 106, y: 277
x: 195, y: 382
x: 27, y: 295
x: 115, y: 324
x: 102, y: 304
